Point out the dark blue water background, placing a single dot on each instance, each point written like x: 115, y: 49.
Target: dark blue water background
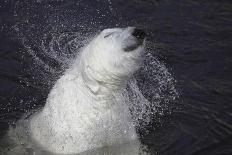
x: 193, y: 38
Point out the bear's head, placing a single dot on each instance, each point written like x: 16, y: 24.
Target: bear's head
x: 112, y: 57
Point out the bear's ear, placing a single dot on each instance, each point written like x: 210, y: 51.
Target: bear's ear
x: 90, y: 83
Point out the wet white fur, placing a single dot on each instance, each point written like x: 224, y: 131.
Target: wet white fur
x: 85, y: 109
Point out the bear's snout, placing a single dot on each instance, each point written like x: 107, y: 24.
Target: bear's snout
x: 135, y: 40
x: 139, y: 33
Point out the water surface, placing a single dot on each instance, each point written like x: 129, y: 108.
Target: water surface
x: 190, y: 39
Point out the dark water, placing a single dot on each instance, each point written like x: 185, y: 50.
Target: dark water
x: 192, y: 38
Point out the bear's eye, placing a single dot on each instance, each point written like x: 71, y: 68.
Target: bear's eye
x: 108, y: 35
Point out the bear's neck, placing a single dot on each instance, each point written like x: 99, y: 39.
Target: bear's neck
x: 99, y: 80
x: 112, y: 85
x: 104, y: 83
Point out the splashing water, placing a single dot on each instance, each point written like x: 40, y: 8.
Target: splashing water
x: 148, y: 93
x: 152, y: 81
x: 153, y: 78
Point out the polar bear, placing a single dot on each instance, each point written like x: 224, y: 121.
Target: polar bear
x: 85, y: 109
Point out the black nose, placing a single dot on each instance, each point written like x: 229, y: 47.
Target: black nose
x: 138, y: 33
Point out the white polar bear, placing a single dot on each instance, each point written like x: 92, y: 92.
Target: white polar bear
x: 85, y: 109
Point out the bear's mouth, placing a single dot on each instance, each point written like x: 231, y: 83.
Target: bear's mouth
x: 138, y: 38
x: 132, y: 47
